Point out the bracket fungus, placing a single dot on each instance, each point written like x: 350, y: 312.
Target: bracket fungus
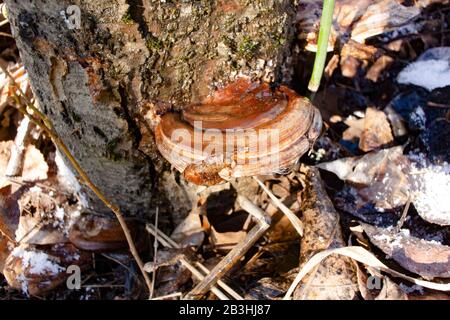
x: 244, y: 129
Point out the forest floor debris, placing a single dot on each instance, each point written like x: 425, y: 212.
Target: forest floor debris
x: 367, y: 217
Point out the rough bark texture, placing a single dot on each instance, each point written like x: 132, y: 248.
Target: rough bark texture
x: 133, y: 58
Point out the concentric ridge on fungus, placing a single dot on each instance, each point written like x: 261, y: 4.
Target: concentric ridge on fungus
x: 244, y: 129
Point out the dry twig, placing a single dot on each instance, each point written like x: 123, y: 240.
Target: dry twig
x: 263, y: 223
x: 169, y: 243
x: 404, y: 214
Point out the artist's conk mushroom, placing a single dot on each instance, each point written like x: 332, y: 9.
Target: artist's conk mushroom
x: 244, y: 129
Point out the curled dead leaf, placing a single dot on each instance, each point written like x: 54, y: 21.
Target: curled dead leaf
x: 360, y: 19
x: 98, y: 233
x: 429, y: 259
x: 380, y: 177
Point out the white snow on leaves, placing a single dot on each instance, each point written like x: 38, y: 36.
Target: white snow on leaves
x: 38, y: 262
x: 430, y: 184
x: 430, y: 71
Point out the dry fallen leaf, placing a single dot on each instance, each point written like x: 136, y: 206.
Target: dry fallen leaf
x: 381, y: 287
x: 101, y: 233
x: 380, y: 17
x: 226, y: 240
x: 268, y: 289
x: 364, y: 256
x: 190, y: 231
x: 34, y: 167
x: 376, y: 70
x: 381, y: 177
x: 358, y: 19
x: 5, y: 249
x: 9, y: 212
x: 165, y: 257
x: 354, y: 130
x: 377, y: 131
x: 391, y: 291
x: 20, y: 76
x: 36, y: 271
x: 361, y: 170
x: 171, y: 279
x: 36, y: 230
x: 429, y: 259
x: 335, y: 277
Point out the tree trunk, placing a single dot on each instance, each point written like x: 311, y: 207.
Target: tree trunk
x: 100, y: 83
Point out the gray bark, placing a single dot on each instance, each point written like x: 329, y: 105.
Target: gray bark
x: 129, y: 58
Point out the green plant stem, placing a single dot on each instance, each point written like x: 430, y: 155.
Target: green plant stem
x: 321, y: 55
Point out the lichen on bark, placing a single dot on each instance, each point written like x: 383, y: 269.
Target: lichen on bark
x: 203, y: 44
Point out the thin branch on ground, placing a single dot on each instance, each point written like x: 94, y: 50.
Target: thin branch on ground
x: 404, y: 214
x: 262, y: 224
x: 169, y: 243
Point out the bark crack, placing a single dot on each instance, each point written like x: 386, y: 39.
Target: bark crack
x: 132, y: 126
x: 136, y: 10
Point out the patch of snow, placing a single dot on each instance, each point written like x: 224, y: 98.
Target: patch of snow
x: 392, y: 240
x: 405, y: 233
x: 318, y: 155
x: 429, y: 74
x: 430, y: 184
x: 359, y: 114
x: 432, y: 242
x: 430, y: 71
x: 35, y: 189
x: 76, y: 213
x: 23, y: 283
x: 38, y: 262
x: 59, y: 213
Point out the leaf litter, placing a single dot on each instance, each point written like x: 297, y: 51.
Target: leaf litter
x: 385, y: 148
